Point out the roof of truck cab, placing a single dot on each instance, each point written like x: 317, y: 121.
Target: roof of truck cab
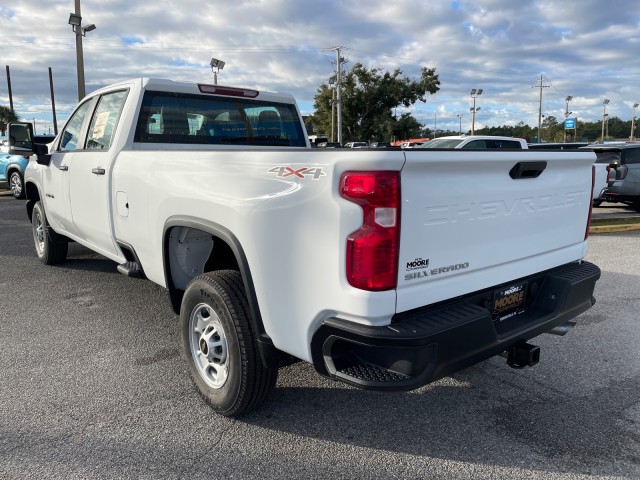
x: 167, y: 85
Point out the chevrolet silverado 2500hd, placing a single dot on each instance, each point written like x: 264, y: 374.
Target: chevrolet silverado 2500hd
x: 385, y: 269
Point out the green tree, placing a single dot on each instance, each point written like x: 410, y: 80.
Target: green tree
x: 369, y: 96
x: 6, y: 116
x: 551, y: 129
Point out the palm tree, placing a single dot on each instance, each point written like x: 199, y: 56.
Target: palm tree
x: 6, y: 116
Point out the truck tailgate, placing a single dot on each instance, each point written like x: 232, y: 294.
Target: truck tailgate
x: 486, y: 216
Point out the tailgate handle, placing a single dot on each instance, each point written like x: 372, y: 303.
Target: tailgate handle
x: 527, y: 170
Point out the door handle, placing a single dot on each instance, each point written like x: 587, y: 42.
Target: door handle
x: 64, y: 168
x: 527, y: 170
x: 98, y: 171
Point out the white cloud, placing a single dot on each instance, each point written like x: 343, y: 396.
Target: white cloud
x: 585, y: 48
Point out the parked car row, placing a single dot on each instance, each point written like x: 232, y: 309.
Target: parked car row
x: 12, y: 169
x: 622, y: 163
x: 354, y: 145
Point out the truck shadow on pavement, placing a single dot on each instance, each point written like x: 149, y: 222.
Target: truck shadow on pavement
x: 483, y: 414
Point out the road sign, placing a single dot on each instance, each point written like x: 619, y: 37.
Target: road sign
x: 570, y: 124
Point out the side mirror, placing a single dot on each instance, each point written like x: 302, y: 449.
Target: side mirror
x: 20, y: 138
x: 42, y: 152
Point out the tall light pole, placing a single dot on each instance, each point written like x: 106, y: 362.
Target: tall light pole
x: 474, y: 94
x: 605, y: 102
x: 216, y: 66
x: 460, y: 120
x: 566, y: 115
x: 75, y: 20
x: 632, y: 137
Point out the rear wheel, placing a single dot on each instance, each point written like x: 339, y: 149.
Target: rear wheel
x: 16, y: 184
x: 220, y: 346
x: 50, y: 247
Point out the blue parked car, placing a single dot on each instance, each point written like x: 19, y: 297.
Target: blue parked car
x: 12, y: 168
x: 12, y: 171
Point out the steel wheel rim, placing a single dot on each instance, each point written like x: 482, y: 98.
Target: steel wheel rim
x: 208, y: 344
x: 15, y: 185
x: 38, y: 231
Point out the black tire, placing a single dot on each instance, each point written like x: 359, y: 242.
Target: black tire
x: 51, y: 248
x: 220, y: 346
x: 16, y: 184
x: 597, y: 203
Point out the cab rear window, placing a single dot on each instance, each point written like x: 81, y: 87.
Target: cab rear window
x: 206, y: 119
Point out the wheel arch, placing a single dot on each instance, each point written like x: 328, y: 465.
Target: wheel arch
x: 14, y: 167
x: 33, y: 195
x: 227, y: 253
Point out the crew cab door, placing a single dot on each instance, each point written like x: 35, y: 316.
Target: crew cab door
x: 89, y: 168
x: 77, y: 184
x: 55, y: 178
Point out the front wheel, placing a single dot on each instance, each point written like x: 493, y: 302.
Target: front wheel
x: 597, y: 203
x: 50, y: 247
x: 220, y: 346
x: 16, y: 184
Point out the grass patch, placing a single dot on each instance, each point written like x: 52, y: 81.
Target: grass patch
x: 615, y: 221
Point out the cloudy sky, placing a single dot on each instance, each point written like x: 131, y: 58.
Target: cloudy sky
x: 589, y: 49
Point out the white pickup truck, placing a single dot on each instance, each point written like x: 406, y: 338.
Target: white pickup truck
x: 384, y: 269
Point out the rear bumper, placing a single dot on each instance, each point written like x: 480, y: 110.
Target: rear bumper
x: 613, y: 195
x: 423, y: 345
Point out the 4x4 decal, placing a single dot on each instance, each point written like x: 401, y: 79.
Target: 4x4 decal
x: 286, y: 171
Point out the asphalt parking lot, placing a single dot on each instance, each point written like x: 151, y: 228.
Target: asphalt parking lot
x: 92, y: 385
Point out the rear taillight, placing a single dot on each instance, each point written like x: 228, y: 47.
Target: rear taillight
x: 593, y: 185
x: 372, y: 250
x: 608, y: 174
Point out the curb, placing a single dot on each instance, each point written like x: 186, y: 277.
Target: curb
x: 625, y: 227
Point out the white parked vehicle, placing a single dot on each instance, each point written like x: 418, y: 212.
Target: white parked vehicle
x: 356, y: 145
x: 476, y: 142
x: 382, y: 268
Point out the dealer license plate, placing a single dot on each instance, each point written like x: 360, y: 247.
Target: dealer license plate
x: 509, y: 301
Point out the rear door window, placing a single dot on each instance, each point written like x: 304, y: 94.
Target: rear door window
x: 104, y: 120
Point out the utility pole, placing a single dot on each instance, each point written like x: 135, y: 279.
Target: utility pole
x: 339, y: 62
x: 9, y: 88
x: 435, y: 125
x: 79, y: 54
x: 460, y: 119
x: 75, y: 20
x: 632, y: 137
x: 333, y: 115
x: 605, y: 102
x: 541, y: 86
x: 474, y: 94
x: 53, y: 103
